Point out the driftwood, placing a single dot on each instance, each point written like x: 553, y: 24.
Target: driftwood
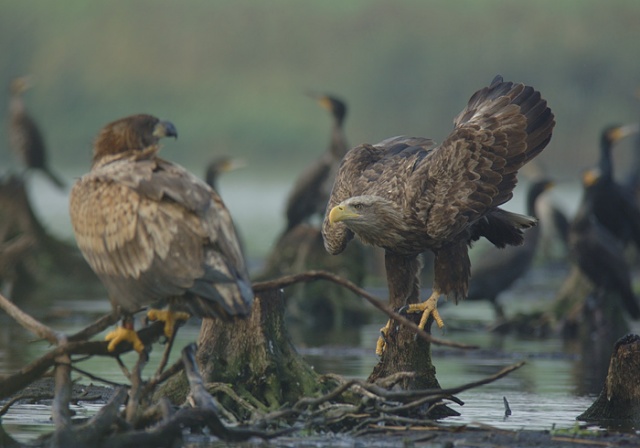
x: 332, y: 404
x: 619, y: 401
x: 277, y: 374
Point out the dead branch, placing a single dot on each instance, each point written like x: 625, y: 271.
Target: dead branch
x: 311, y: 276
x: 34, y: 370
x: 28, y: 322
x: 91, y: 330
x: 199, y: 395
x: 135, y: 391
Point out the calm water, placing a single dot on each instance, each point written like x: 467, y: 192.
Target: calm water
x: 547, y: 391
x: 541, y: 394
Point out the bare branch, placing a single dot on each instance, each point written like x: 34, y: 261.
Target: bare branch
x: 95, y: 328
x: 311, y: 276
x: 34, y: 370
x: 28, y: 322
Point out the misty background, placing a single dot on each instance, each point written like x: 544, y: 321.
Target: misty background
x: 232, y: 75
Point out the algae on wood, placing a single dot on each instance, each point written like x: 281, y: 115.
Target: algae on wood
x: 255, y: 357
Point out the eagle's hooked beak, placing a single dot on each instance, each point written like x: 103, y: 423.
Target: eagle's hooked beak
x: 341, y: 213
x: 165, y: 129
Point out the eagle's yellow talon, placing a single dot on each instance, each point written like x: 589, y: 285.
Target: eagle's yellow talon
x: 382, y: 342
x: 428, y: 308
x: 122, y: 334
x: 168, y: 317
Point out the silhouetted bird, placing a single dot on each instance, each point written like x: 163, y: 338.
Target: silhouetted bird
x: 599, y: 255
x: 25, y: 138
x: 497, y: 269
x: 611, y: 203
x: 218, y: 166
x: 633, y: 177
x: 310, y: 193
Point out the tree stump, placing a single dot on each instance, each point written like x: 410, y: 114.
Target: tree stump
x: 255, y: 356
x: 619, y: 401
x: 403, y: 351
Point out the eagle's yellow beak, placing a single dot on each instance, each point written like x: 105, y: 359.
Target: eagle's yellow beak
x: 340, y: 213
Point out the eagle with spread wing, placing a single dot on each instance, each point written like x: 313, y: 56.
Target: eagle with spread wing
x: 154, y: 233
x: 409, y: 195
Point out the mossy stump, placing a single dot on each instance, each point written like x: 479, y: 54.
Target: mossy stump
x: 255, y: 357
x: 619, y: 401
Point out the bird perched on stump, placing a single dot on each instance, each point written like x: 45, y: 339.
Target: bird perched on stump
x: 25, y: 138
x: 154, y: 233
x: 408, y: 195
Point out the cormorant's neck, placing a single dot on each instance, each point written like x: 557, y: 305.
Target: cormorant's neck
x: 605, y: 164
x: 16, y: 105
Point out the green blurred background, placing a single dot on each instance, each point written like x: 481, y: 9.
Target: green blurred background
x: 232, y: 76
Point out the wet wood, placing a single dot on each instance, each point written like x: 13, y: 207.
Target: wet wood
x: 403, y: 351
x: 619, y: 401
x: 256, y: 356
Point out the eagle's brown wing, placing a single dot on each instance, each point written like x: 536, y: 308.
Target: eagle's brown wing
x: 474, y: 170
x: 152, y: 231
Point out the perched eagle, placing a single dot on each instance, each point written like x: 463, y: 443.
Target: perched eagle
x: 155, y: 233
x: 25, y: 137
x: 409, y: 195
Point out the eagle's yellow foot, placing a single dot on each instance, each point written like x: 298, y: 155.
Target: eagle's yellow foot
x: 427, y: 308
x: 122, y: 334
x: 168, y: 317
x: 382, y: 341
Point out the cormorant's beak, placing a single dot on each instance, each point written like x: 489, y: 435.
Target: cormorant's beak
x: 165, y: 129
x: 624, y: 131
x: 340, y: 213
x: 233, y: 164
x: 323, y: 100
x: 590, y: 177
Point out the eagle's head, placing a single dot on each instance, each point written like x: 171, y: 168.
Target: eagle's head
x: 372, y: 218
x: 133, y: 133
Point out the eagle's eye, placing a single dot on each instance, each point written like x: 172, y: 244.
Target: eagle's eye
x: 358, y: 206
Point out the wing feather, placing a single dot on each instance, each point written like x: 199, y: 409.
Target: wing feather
x: 474, y: 170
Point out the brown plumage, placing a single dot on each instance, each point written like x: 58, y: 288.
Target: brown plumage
x: 152, y: 231
x: 25, y: 137
x: 408, y: 195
